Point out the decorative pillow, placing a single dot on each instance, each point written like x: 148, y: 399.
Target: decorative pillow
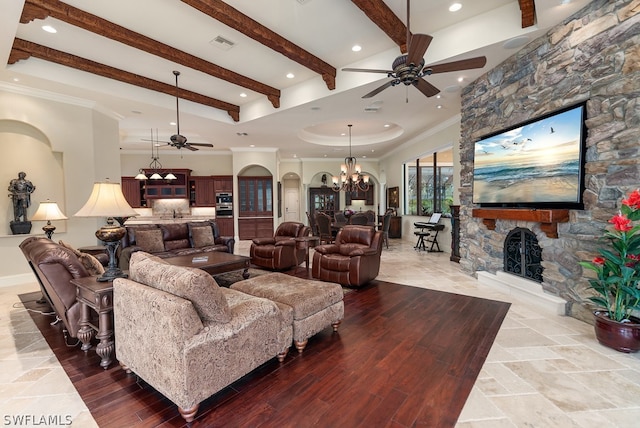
x: 90, y: 263
x: 150, y: 240
x: 202, y: 236
x: 192, y: 284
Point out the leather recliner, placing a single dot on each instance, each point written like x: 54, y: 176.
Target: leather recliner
x: 352, y: 260
x: 54, y: 266
x: 279, y: 252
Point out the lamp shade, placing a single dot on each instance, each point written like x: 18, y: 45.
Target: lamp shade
x: 106, y: 200
x: 48, y: 210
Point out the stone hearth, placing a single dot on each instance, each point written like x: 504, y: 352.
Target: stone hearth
x: 524, y: 289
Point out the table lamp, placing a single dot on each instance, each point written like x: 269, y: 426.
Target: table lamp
x: 48, y: 211
x: 107, y: 200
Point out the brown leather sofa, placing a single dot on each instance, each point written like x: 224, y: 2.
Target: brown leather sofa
x: 279, y: 252
x: 352, y: 260
x: 54, y: 266
x: 173, y: 239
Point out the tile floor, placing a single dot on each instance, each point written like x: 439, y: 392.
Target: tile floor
x: 543, y: 370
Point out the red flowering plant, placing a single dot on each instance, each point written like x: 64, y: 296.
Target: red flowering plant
x: 618, y: 268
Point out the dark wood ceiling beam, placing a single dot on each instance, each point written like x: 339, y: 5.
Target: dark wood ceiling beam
x: 383, y: 17
x: 71, y: 15
x: 528, y: 11
x: 23, y: 49
x: 221, y: 11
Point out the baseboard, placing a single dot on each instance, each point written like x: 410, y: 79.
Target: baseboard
x: 11, y: 280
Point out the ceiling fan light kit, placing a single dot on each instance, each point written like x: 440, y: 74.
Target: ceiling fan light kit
x: 180, y: 141
x: 409, y: 69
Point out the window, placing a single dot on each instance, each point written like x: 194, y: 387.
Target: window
x: 256, y: 196
x: 429, y: 184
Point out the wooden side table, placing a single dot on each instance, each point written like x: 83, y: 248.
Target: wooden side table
x: 305, y: 243
x: 96, y: 295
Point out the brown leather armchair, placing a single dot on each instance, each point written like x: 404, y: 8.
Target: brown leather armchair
x: 279, y: 252
x: 54, y: 266
x: 352, y: 260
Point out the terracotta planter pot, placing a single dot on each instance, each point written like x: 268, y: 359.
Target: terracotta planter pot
x: 623, y: 337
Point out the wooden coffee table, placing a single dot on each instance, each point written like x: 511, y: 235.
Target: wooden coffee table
x: 216, y: 262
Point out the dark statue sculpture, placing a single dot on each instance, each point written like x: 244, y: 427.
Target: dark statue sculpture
x: 21, y: 190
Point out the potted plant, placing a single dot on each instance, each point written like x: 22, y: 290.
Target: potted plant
x: 616, y: 284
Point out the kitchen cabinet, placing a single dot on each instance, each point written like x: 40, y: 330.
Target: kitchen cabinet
x: 360, y: 195
x: 252, y: 227
x: 133, y: 191
x: 225, y: 226
x: 223, y: 183
x: 202, y: 191
x: 167, y: 189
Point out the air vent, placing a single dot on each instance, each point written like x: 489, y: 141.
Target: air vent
x: 303, y: 1
x: 373, y: 107
x: 222, y: 43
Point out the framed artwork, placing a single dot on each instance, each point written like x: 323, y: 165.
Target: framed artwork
x: 393, y: 197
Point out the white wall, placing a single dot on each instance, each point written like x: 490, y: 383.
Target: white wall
x: 447, y: 135
x: 85, y: 146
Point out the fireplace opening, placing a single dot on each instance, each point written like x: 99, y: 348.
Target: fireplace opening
x: 523, y: 255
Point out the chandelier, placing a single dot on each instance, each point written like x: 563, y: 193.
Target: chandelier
x: 155, y: 165
x: 351, y: 178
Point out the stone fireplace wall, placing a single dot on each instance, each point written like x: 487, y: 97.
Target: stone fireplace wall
x: 594, y: 56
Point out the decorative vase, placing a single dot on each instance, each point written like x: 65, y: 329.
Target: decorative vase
x: 623, y: 337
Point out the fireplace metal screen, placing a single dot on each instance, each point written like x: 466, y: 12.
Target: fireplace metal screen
x: 523, y: 255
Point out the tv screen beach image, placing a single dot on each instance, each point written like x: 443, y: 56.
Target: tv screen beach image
x: 539, y: 162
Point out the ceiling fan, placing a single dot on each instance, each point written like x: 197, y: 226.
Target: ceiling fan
x: 180, y: 141
x: 409, y: 69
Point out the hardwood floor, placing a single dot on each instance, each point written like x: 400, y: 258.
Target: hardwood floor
x: 403, y: 357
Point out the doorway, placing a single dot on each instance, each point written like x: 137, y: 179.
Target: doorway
x: 291, y: 188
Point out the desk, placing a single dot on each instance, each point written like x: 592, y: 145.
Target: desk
x: 97, y: 296
x: 306, y: 242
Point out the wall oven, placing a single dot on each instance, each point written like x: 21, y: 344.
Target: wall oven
x: 224, y: 210
x: 224, y: 205
x: 224, y: 198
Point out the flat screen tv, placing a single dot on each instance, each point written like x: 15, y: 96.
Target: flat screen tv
x: 536, y: 164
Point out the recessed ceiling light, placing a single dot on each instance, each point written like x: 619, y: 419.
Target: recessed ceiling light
x: 243, y: 95
x: 325, y: 155
x: 49, y: 29
x: 364, y: 156
x: 386, y: 125
x: 455, y: 7
x: 439, y: 106
x: 290, y: 75
x: 15, y: 79
x: 252, y: 145
x: 460, y: 79
x: 373, y: 150
x: 172, y: 123
x: 295, y: 156
x: 438, y: 96
x: 356, y: 48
